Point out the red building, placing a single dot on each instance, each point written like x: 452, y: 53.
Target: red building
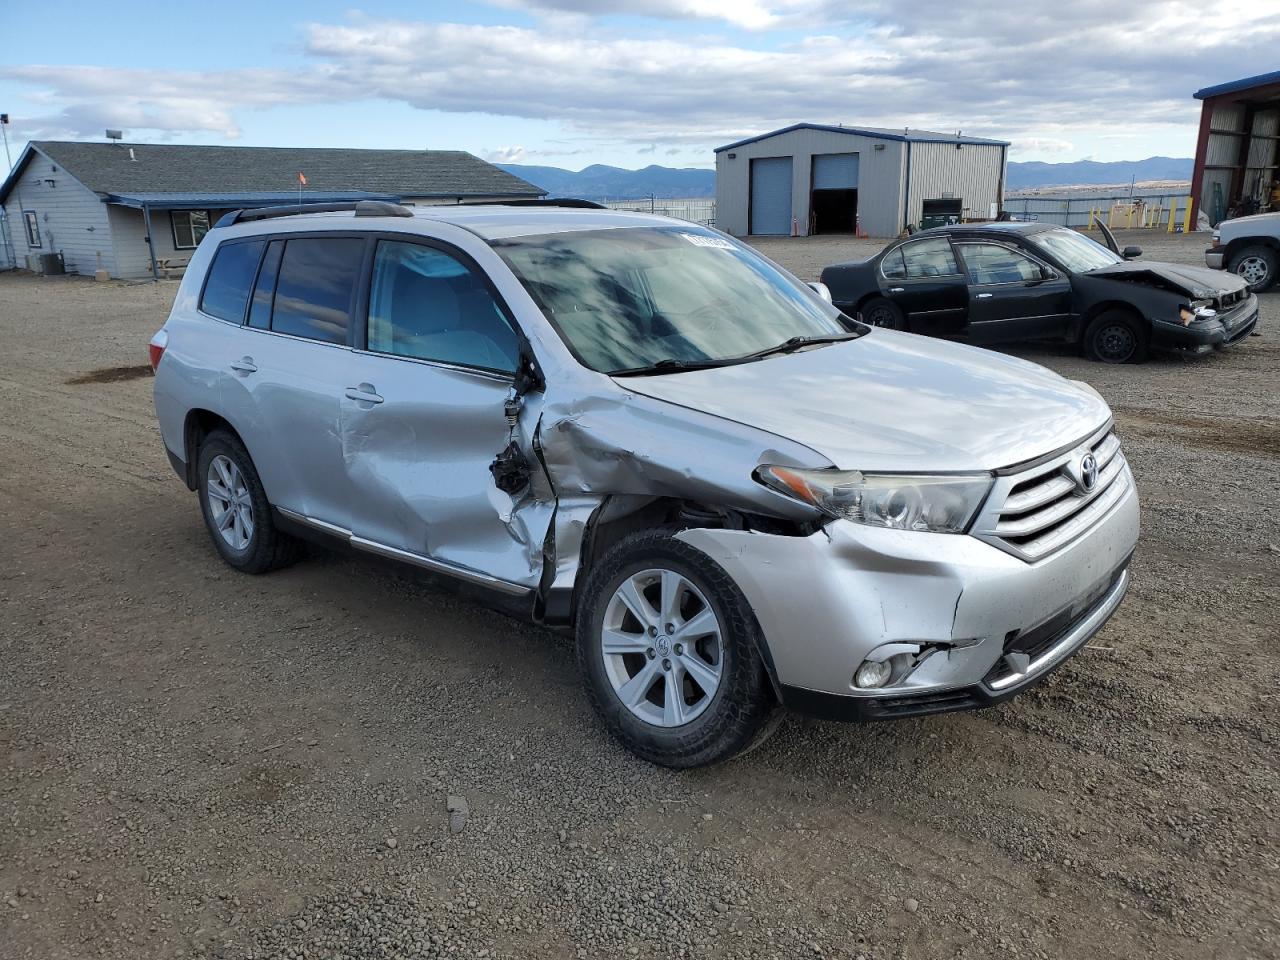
x: 1236, y: 169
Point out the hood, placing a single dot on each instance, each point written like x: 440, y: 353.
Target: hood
x: 1196, y: 282
x: 895, y: 402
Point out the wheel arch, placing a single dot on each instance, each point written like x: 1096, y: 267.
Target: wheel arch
x: 1105, y: 306
x: 1240, y: 243
x: 199, y: 423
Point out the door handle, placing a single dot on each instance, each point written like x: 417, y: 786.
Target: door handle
x: 984, y: 296
x: 364, y: 393
x: 896, y: 289
x: 244, y: 365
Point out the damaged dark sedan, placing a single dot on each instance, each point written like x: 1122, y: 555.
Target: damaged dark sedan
x: 1004, y: 282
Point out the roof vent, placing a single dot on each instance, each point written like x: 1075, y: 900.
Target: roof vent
x: 131, y: 156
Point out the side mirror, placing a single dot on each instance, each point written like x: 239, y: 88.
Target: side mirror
x: 1131, y: 253
x: 1047, y: 274
x: 821, y: 290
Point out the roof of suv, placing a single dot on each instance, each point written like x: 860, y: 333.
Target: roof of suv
x: 489, y: 221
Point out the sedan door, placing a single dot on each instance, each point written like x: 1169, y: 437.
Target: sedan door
x: 424, y: 417
x: 924, y: 280
x: 1012, y: 296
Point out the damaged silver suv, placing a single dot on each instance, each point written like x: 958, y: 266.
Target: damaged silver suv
x: 631, y: 427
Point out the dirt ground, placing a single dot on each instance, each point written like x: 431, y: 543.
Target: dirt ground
x: 202, y: 764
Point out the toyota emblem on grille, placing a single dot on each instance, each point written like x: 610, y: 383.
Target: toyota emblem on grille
x: 1088, y: 472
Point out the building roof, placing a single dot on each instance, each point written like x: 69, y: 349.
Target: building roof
x: 247, y: 199
x: 132, y: 168
x: 876, y: 133
x: 1235, y: 86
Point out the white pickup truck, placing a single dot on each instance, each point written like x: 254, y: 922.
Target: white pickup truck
x: 1248, y: 247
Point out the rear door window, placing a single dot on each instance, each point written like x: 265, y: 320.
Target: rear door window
x: 316, y: 286
x: 226, y: 290
x: 929, y: 258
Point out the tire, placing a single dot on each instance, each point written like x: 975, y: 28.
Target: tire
x: 700, y: 728
x: 1258, y: 265
x: 248, y: 540
x: 1116, y: 336
x: 880, y: 312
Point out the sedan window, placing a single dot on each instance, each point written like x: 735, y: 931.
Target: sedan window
x: 993, y: 263
x: 929, y: 258
x: 1075, y: 251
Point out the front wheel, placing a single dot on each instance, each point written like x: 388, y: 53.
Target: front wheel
x: 1256, y: 266
x: 667, y: 644
x: 1116, y: 337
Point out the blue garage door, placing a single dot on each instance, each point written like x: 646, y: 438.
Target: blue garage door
x: 835, y: 171
x: 771, y: 195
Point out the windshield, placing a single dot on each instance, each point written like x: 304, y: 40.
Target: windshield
x: 632, y: 297
x: 1074, y: 250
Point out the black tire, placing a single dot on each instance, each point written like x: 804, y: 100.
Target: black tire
x: 1116, y: 336
x: 1252, y: 259
x: 880, y: 312
x: 738, y: 716
x: 267, y: 548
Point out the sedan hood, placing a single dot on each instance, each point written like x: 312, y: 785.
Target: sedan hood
x: 895, y: 402
x: 1198, y: 283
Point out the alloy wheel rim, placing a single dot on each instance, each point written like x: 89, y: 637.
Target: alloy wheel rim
x: 663, y: 647
x: 1253, y: 270
x: 230, y: 503
x: 1116, y: 342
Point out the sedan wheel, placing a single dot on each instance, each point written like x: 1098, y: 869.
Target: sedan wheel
x: 883, y: 313
x: 662, y: 646
x: 1116, y: 336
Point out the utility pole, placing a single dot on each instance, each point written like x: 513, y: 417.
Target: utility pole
x: 4, y: 128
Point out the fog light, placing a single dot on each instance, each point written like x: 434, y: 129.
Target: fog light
x: 873, y: 674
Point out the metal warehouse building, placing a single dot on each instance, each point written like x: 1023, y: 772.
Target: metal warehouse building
x: 812, y: 178
x: 1237, y: 167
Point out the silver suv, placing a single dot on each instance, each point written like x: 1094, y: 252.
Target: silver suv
x: 645, y: 432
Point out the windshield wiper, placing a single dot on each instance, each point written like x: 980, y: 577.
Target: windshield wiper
x: 672, y: 365
x: 792, y: 344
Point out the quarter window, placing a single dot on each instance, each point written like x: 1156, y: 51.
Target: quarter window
x: 264, y: 290
x: 427, y: 304
x: 316, y: 285
x: 892, y: 266
x: 189, y: 228
x: 992, y: 263
x: 226, y: 291
x: 32, y: 224
x: 929, y: 258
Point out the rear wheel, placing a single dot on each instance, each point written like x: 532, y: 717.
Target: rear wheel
x: 883, y: 313
x: 668, y: 649
x: 235, y: 508
x: 1116, y: 337
x: 1256, y: 266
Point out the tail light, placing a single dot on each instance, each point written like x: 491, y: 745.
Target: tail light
x: 156, y: 348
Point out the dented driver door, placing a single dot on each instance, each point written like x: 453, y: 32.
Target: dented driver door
x: 423, y: 416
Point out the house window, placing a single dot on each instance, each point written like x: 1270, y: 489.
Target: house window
x: 32, y: 223
x: 189, y: 228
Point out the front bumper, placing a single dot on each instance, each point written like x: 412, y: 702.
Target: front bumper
x: 827, y: 601
x: 1221, y: 331
x: 1214, y: 257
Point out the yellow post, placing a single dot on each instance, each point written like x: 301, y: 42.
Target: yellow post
x: 1173, y: 213
x: 1186, y: 223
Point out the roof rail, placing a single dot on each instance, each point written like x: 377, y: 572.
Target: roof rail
x: 572, y: 202
x: 362, y: 208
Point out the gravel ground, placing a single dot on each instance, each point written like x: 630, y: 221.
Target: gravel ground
x: 337, y: 761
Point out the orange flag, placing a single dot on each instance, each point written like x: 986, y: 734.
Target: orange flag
x: 302, y: 179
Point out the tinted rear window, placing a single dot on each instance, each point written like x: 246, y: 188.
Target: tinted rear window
x: 226, y: 291
x: 316, y: 282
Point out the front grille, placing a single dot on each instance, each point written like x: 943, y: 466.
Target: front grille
x: 1045, y: 508
x: 1229, y: 300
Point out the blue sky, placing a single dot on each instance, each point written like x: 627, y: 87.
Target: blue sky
x: 628, y: 82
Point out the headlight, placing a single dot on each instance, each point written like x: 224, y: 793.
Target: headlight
x: 1199, y: 310
x: 937, y: 504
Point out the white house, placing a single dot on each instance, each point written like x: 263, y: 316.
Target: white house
x: 132, y: 208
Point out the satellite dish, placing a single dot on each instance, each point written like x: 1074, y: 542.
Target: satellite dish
x: 115, y: 134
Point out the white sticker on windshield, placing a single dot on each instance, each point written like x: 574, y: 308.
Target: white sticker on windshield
x: 698, y: 240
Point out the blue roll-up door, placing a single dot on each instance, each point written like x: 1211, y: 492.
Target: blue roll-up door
x: 771, y: 195
x: 835, y: 171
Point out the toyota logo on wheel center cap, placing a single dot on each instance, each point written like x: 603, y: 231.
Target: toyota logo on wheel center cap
x: 1088, y: 472
x: 664, y: 646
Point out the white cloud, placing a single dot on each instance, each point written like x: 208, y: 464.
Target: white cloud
x: 938, y: 65
x: 1040, y: 145
x: 506, y: 155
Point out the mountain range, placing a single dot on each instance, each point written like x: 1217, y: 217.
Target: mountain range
x: 601, y: 182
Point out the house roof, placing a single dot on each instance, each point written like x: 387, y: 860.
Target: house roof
x: 132, y: 168
x: 247, y: 199
x: 1235, y: 86
x: 877, y: 133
